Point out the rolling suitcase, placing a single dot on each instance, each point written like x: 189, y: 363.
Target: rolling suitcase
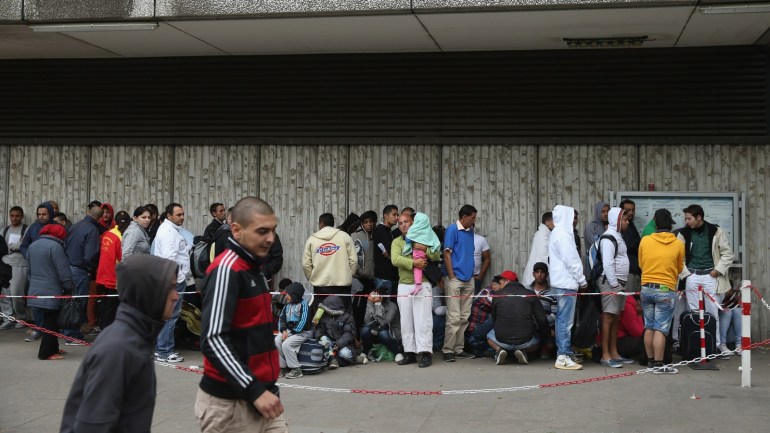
x: 689, y: 334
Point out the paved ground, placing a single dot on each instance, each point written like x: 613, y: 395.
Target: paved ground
x: 32, y: 395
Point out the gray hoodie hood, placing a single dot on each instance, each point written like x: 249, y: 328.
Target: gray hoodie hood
x: 144, y: 282
x: 333, y: 305
x: 598, y: 212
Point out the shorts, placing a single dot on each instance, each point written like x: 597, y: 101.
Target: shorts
x: 658, y: 308
x: 611, y: 304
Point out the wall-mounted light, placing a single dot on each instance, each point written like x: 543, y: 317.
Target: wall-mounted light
x: 94, y: 27
x: 745, y: 8
x: 616, y: 42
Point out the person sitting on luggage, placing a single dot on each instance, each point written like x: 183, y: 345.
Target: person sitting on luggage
x: 293, y: 330
x: 519, y: 322
x: 381, y: 325
x: 336, y: 330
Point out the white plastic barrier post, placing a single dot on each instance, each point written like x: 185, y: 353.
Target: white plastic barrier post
x: 746, y: 331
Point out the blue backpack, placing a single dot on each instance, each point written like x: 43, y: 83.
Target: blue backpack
x: 595, y: 266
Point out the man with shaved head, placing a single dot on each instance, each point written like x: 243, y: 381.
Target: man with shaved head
x: 241, y: 366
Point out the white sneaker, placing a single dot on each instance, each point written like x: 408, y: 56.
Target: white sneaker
x: 362, y: 359
x: 723, y: 348
x: 399, y: 357
x: 738, y: 349
x: 172, y: 359
x: 564, y: 362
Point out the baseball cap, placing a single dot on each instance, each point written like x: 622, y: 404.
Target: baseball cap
x: 509, y: 275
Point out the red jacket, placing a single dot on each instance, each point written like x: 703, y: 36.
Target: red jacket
x: 240, y: 360
x: 110, y: 254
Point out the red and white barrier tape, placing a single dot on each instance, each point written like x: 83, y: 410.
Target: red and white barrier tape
x: 745, y: 347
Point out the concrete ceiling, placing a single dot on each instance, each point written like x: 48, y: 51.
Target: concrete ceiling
x: 676, y: 26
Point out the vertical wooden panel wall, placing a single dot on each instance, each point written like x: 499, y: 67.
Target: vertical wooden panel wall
x: 581, y: 176
x: 500, y: 182
x: 400, y: 175
x: 5, y: 155
x: 40, y: 173
x: 302, y: 182
x: 208, y: 174
x: 131, y: 176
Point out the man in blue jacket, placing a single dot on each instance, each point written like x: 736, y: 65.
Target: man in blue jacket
x: 82, y: 248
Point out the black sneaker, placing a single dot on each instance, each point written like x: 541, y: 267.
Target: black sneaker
x: 426, y: 360
x: 409, y: 358
x: 465, y: 355
x: 449, y: 357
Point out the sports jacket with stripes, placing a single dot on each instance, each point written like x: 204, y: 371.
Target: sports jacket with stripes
x: 240, y: 358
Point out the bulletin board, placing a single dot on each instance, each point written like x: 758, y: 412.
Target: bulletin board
x: 723, y: 209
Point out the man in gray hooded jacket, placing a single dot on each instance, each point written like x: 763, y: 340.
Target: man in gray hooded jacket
x: 115, y: 387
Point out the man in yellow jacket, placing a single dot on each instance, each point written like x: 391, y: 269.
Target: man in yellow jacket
x: 329, y: 260
x: 661, y: 259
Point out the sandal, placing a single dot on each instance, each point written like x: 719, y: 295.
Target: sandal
x: 55, y: 357
x: 62, y: 352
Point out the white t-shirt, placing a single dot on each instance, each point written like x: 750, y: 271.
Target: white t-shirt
x: 479, y: 246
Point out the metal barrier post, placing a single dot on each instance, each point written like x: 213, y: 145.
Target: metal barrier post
x: 746, y: 331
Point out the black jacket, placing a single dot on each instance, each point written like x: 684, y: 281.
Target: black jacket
x: 632, y: 239
x: 115, y: 387
x: 515, y: 317
x: 336, y: 324
x: 212, y: 228
x: 83, y: 244
x: 383, y: 267
x: 686, y: 233
x: 274, y: 259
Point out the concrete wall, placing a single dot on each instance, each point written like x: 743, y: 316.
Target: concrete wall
x: 510, y: 185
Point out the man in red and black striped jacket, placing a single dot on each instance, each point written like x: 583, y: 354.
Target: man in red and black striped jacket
x: 240, y: 359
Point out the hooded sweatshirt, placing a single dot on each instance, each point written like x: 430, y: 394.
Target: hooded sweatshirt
x: 661, y: 258
x: 115, y: 387
x: 615, y: 265
x: 595, y: 228
x: 566, y: 268
x: 362, y: 242
x: 33, y: 232
x: 538, y: 253
x: 107, y: 224
x: 50, y: 273
x: 336, y: 324
x: 110, y: 255
x: 329, y: 258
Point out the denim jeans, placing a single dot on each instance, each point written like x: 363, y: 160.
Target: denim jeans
x: 439, y: 325
x: 81, y: 280
x: 534, y: 341
x: 728, y: 318
x: 165, y: 344
x: 658, y: 308
x: 478, y: 338
x: 565, y: 318
x: 382, y: 336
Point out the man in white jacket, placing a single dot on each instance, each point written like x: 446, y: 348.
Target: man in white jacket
x: 566, y: 273
x: 539, y: 251
x: 615, y: 264
x: 170, y: 244
x: 330, y: 260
